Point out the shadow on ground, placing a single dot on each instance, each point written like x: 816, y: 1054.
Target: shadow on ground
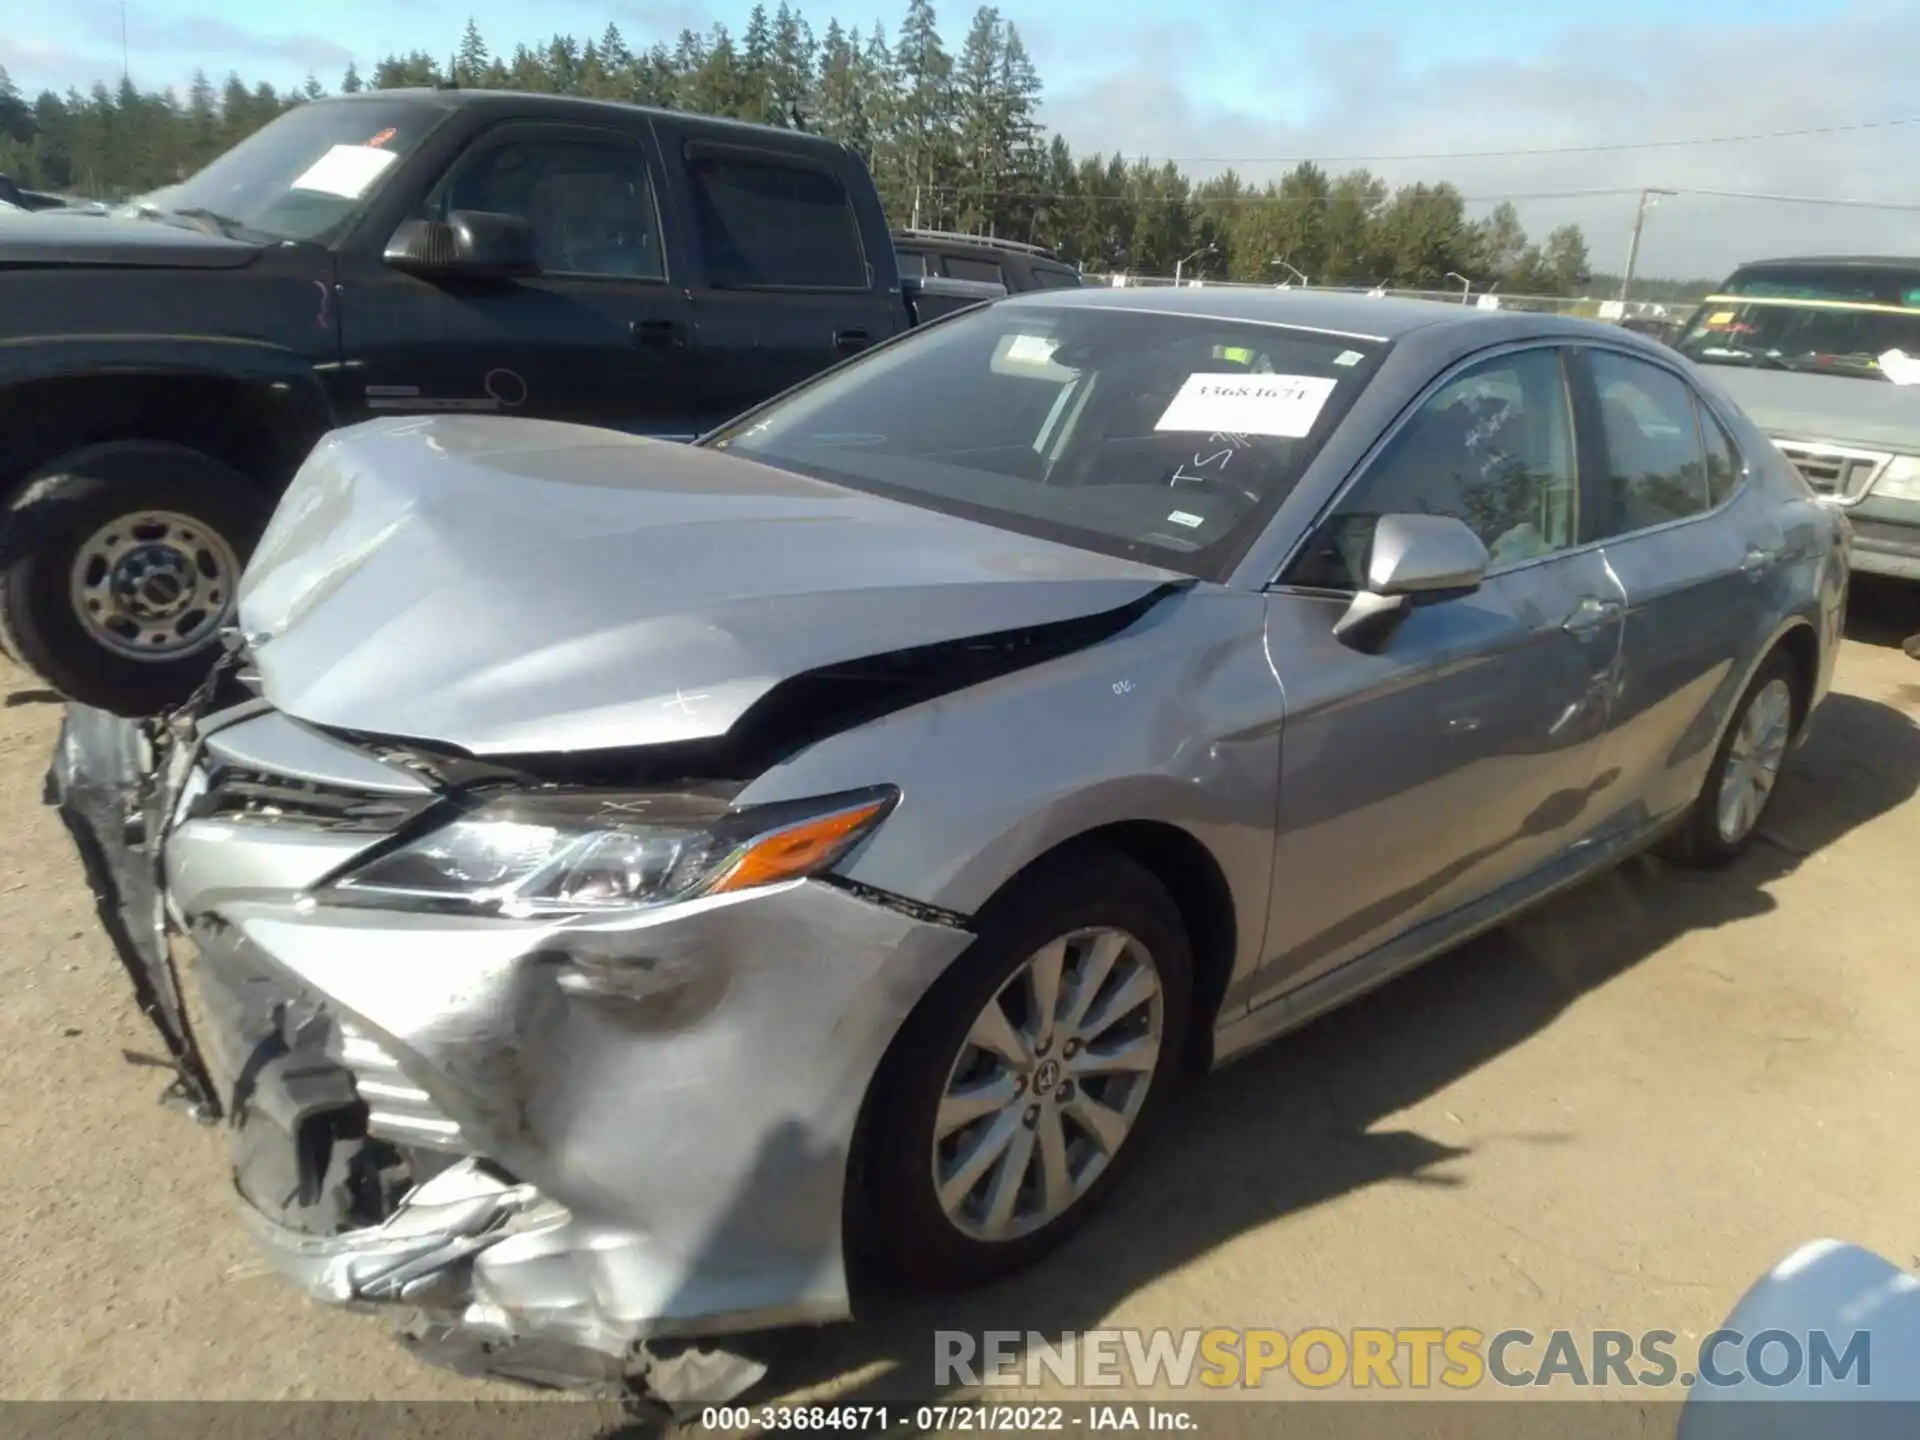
x: 1292, y: 1126
x: 1882, y: 611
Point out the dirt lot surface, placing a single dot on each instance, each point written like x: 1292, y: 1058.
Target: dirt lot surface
x: 1616, y: 1113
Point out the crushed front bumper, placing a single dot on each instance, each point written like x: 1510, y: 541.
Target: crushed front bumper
x: 573, y: 1152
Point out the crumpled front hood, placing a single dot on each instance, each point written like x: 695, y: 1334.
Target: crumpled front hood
x: 514, y: 586
x: 1841, y: 409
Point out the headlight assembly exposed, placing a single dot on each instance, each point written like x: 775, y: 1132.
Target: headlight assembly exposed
x: 572, y: 852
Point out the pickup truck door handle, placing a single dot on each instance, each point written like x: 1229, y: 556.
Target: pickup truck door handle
x: 657, y: 332
x: 1590, y: 614
x: 848, y: 342
x: 1758, y: 559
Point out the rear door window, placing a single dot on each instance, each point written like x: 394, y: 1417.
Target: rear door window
x: 1656, y: 465
x: 769, y: 223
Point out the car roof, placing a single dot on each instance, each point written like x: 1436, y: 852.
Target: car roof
x: 1357, y: 314
x: 521, y: 101
x: 1839, y: 262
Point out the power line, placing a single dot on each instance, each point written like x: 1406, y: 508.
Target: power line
x: 1609, y: 148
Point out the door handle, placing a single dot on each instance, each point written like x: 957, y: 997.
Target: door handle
x: 1590, y: 614
x: 657, y: 332
x: 849, y: 342
x: 1757, y: 559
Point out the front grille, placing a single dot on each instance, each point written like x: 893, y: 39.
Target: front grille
x: 257, y: 798
x: 397, y: 1109
x: 1843, y: 474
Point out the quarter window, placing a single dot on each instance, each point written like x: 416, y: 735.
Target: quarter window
x: 1723, y: 462
x: 1656, y: 466
x: 961, y: 268
x: 590, y: 205
x: 1494, y: 449
x: 768, y: 224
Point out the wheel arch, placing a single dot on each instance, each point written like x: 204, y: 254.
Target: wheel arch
x: 261, y: 425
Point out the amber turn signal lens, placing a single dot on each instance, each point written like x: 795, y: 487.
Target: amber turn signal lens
x: 799, y: 849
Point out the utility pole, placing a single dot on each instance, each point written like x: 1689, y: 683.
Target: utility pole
x: 1647, y: 202
x: 126, y: 67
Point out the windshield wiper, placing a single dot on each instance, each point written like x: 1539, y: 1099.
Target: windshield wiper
x: 210, y: 221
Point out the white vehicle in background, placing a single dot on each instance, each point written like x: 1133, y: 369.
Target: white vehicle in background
x: 1824, y: 354
x: 1865, y: 1308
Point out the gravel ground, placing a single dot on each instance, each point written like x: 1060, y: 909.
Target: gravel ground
x: 1615, y: 1113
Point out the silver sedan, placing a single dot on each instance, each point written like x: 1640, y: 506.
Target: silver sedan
x: 621, y: 875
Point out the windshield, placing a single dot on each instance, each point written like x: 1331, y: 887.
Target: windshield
x: 303, y: 177
x: 1166, y: 438
x: 1860, y: 322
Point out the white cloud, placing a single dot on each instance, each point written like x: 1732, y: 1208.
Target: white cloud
x: 1368, y: 95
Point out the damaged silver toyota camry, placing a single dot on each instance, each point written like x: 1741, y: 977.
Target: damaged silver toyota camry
x: 606, y: 882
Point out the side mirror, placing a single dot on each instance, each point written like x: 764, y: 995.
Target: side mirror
x: 468, y: 244
x: 1415, y: 560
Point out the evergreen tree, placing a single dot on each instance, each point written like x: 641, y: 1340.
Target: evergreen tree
x: 472, y: 60
x: 956, y: 140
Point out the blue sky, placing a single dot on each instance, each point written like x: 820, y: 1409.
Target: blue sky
x: 1255, y: 78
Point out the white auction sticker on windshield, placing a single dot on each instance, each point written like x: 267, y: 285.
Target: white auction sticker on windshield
x: 346, y: 171
x: 1900, y: 367
x: 1241, y: 404
x: 1032, y: 349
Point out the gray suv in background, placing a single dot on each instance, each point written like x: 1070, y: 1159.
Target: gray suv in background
x: 951, y: 255
x: 1824, y: 355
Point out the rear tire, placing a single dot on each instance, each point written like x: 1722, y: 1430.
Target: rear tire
x: 1740, y: 782
x: 1062, y: 1096
x: 118, y: 567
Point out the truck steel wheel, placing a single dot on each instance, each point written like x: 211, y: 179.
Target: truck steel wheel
x: 1024, y: 1080
x: 118, y: 569
x: 1740, y: 782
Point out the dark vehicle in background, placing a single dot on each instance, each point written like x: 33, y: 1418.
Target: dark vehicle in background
x: 14, y: 196
x: 1824, y: 354
x: 984, y: 259
x: 164, y: 371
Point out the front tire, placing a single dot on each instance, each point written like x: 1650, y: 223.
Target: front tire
x: 118, y: 568
x: 1739, y: 785
x: 1023, y: 1083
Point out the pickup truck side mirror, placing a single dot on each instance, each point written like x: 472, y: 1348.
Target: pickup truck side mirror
x: 1414, y: 560
x: 468, y: 244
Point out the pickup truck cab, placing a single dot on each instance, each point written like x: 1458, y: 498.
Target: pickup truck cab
x: 164, y: 371
x: 1824, y: 354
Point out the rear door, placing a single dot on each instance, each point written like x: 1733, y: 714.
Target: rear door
x: 1696, y: 552
x: 601, y: 336
x: 781, y: 285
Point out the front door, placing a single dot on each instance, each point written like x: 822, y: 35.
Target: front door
x: 1466, y: 754
x: 599, y: 337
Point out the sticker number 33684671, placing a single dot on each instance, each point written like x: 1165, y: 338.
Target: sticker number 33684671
x: 1280, y: 405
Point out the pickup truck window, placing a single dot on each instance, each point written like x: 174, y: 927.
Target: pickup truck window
x: 1168, y: 438
x: 766, y: 224
x: 591, y: 206
x: 305, y: 176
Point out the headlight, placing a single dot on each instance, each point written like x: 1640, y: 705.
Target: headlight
x: 1900, y: 480
x: 568, y: 852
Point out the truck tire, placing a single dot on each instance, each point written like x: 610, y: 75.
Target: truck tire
x: 118, y: 566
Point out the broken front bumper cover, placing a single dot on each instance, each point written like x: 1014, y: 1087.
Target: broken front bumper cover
x: 614, y: 1141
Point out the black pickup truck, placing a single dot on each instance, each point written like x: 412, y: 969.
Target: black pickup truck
x: 391, y: 253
